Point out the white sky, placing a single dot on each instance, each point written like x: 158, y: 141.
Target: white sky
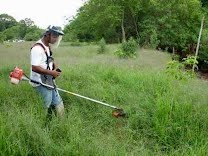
x: 42, y: 12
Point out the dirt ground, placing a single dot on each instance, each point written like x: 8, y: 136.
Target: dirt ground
x: 203, y: 76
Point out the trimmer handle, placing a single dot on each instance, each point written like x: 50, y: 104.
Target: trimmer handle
x: 34, y: 81
x: 58, y: 70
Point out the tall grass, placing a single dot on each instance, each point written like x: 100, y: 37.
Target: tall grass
x: 165, y: 116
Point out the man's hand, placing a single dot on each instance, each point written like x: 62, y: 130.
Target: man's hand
x: 55, y: 73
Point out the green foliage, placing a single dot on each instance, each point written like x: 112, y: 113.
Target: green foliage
x: 2, y: 37
x: 69, y: 36
x: 97, y: 19
x: 154, y: 42
x: 190, y: 61
x: 33, y: 33
x: 102, y: 46
x: 203, y: 51
x: 11, y: 33
x: 175, y: 57
x: 181, y: 70
x: 6, y: 21
x: 204, y: 3
x: 12, y: 30
x: 32, y: 36
x: 175, y: 69
x: 149, y: 37
x: 155, y: 23
x: 128, y: 49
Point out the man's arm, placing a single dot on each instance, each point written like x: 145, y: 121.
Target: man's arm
x: 41, y: 70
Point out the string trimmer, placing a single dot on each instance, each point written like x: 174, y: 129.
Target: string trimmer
x: 17, y: 74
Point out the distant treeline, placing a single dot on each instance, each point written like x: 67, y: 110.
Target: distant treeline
x: 25, y: 29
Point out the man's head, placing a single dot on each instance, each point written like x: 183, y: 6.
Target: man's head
x: 53, y: 34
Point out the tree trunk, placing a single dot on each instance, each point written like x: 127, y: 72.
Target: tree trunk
x: 135, y: 24
x: 173, y: 50
x: 123, y: 30
x: 199, y: 38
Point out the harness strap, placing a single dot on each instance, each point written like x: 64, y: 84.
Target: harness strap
x: 47, y: 61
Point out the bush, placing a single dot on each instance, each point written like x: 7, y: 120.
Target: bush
x: 128, y: 49
x: 174, y: 69
x: 178, y: 70
x: 32, y: 36
x: 203, y: 58
x: 190, y: 61
x: 2, y: 37
x: 203, y: 52
x: 102, y: 46
x: 154, y: 40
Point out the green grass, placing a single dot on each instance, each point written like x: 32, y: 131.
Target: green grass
x: 165, y: 116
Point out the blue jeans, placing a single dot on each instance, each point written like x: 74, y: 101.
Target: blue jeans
x: 49, y: 97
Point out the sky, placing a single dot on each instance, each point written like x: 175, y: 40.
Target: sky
x: 42, y: 12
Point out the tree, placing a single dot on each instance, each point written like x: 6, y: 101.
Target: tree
x: 33, y: 33
x: 155, y: 23
x: 11, y: 33
x: 6, y: 21
x: 24, y: 25
x: 204, y: 3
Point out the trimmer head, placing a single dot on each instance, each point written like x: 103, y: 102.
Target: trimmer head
x: 118, y: 113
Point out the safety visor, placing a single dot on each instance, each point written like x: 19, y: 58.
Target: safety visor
x: 56, y: 39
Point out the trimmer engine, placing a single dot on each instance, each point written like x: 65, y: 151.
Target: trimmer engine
x: 16, y: 75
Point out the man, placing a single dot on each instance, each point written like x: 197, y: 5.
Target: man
x: 43, y: 69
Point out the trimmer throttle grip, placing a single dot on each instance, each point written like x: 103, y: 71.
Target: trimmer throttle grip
x: 34, y: 81
x: 58, y: 70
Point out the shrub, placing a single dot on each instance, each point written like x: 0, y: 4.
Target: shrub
x: 174, y: 68
x: 203, y: 58
x: 102, y: 46
x: 128, y: 49
x: 178, y: 69
x: 32, y: 36
x: 203, y: 52
x: 190, y: 61
x: 154, y: 40
x: 2, y: 37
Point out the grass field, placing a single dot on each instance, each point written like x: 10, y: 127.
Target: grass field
x: 165, y: 116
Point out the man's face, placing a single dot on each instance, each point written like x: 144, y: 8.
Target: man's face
x: 53, y: 38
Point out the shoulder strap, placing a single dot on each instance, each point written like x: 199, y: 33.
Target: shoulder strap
x: 40, y: 44
x: 47, y: 60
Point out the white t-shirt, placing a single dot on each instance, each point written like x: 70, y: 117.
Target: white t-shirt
x: 38, y: 58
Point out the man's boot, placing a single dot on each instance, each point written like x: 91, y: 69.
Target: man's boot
x: 59, y: 109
